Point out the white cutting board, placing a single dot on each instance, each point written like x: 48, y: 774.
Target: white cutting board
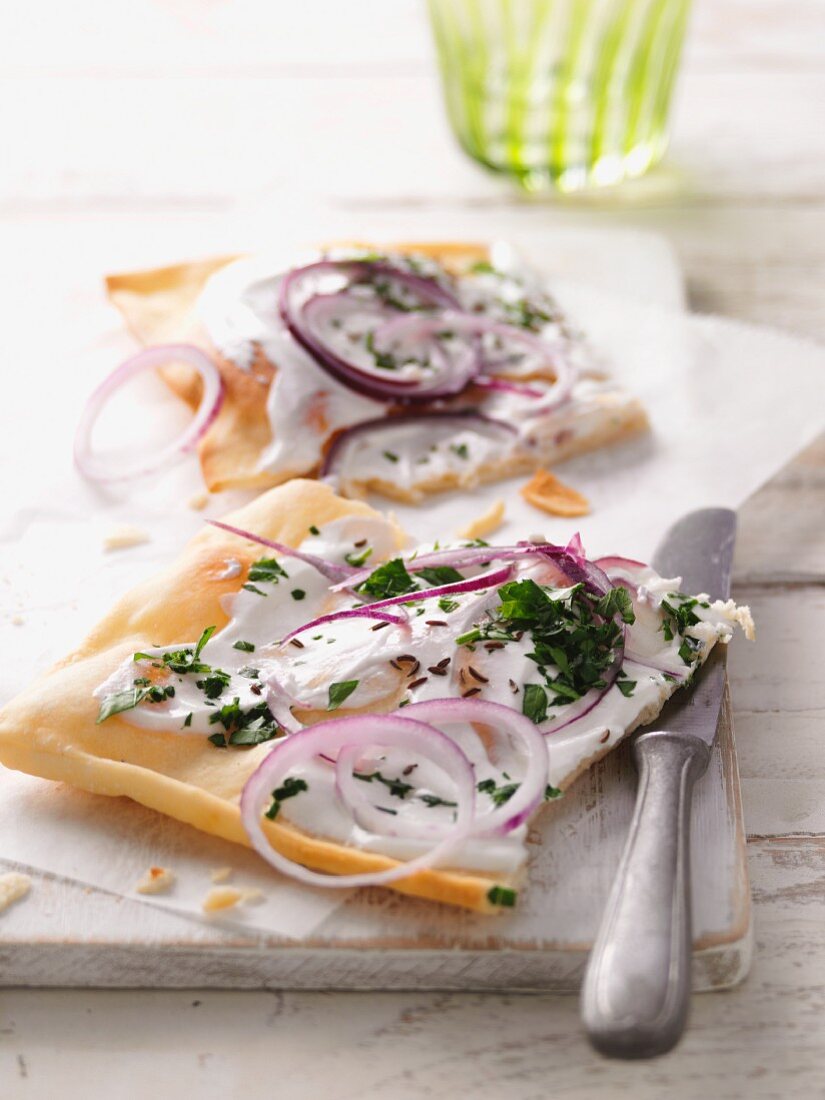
x: 69, y: 934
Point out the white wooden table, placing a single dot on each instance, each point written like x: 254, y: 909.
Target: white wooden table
x: 143, y: 131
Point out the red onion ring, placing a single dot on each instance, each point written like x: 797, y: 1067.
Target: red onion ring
x: 329, y: 569
x: 366, y: 731
x: 342, y: 369
x: 503, y: 819
x: 477, y: 325
x: 151, y: 358
x: 613, y: 561
x: 368, y: 611
x: 466, y: 417
x: 465, y: 557
x: 471, y: 584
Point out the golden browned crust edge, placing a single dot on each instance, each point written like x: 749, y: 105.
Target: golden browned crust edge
x: 49, y: 730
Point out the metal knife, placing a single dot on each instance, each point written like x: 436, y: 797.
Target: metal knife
x: 637, y: 982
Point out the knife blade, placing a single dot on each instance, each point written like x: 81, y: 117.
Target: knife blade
x: 636, y: 986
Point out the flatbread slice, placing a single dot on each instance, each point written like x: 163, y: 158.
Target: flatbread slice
x: 254, y: 441
x: 65, y: 726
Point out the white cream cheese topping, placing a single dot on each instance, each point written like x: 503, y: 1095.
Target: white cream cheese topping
x: 306, y: 405
x: 257, y: 661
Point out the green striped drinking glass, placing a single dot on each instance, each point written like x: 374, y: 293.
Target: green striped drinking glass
x: 564, y: 93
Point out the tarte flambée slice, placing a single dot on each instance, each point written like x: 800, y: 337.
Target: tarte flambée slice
x: 407, y: 371
x: 355, y: 708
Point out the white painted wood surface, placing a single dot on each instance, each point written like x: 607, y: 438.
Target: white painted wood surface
x: 171, y: 118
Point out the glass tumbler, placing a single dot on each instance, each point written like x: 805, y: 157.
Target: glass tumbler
x: 560, y: 93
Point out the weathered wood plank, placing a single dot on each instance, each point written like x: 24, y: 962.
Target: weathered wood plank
x: 763, y: 1040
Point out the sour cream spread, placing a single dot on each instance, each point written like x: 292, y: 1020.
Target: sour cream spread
x: 532, y: 642
x: 307, y: 406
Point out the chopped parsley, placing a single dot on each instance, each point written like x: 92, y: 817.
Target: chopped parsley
x: 266, y: 569
x: 397, y: 787
x: 244, y: 727
x: 339, y: 692
x: 499, y: 795
x: 573, y: 632
x: 313, y: 530
x: 626, y: 687
x: 253, y: 588
x: 447, y: 605
x: 297, y: 593
x: 534, y: 703
x: 551, y: 793
x: 213, y: 683
x: 390, y: 456
x: 244, y: 647
x: 182, y: 660
x: 460, y: 449
x: 678, y: 617
x: 288, y: 789
x: 358, y: 557
x: 127, y: 700
x: 249, y: 672
x: 389, y: 579
x: 503, y: 896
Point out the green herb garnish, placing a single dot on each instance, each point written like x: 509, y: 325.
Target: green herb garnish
x: 245, y: 647
x: 339, y: 692
x: 503, y: 896
x: 389, y: 579
x: 266, y: 569
x: 288, y: 789
x: 534, y: 703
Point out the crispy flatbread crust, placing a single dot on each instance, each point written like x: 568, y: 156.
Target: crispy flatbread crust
x: 49, y: 730
x: 158, y: 306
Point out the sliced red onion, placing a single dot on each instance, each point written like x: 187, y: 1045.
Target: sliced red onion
x: 474, y: 325
x: 365, y: 731
x: 368, y: 611
x: 470, y: 584
x: 329, y: 569
x: 97, y: 469
x: 299, y: 320
x: 502, y: 385
x: 459, y: 558
x: 530, y: 793
x: 466, y: 419
x: 613, y: 561
x: 576, y: 548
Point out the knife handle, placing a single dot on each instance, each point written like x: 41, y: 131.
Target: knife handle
x: 637, y: 982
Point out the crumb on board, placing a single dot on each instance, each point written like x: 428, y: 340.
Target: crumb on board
x: 198, y: 502
x: 13, y: 886
x: 545, y: 491
x: 123, y: 536
x: 485, y: 524
x: 220, y: 874
x: 17, y: 620
x: 221, y: 897
x: 227, y: 897
x: 156, y: 881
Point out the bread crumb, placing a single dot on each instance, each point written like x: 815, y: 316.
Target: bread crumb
x: 17, y: 620
x: 13, y: 887
x: 485, y: 524
x: 124, y: 536
x: 156, y: 881
x: 545, y: 491
x: 221, y: 874
x: 222, y: 897
x: 199, y: 501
